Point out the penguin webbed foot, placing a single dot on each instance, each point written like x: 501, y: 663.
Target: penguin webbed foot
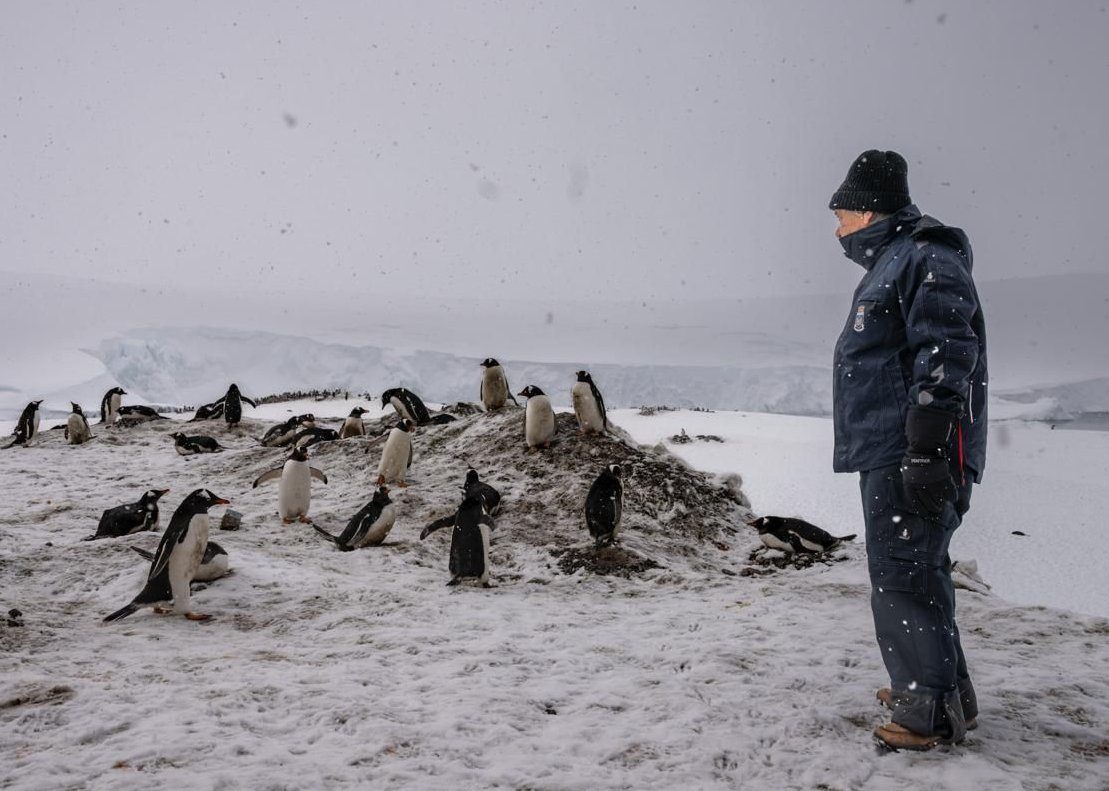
x: 454, y: 581
x: 159, y: 610
x: 198, y: 616
x: 304, y: 519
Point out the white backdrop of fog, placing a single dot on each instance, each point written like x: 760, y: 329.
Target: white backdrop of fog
x: 647, y: 150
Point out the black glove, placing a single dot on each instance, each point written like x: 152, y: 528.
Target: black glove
x: 925, y: 471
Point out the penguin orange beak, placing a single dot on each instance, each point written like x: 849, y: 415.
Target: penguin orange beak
x: 221, y: 501
x: 161, y: 492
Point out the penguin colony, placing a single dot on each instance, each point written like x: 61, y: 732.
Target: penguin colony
x: 185, y: 555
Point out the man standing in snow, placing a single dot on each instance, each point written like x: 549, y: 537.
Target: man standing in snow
x: 909, y: 403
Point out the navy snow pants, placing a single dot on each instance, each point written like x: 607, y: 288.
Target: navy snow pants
x: 913, y: 601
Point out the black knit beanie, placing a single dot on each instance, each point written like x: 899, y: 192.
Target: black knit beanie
x: 877, y: 181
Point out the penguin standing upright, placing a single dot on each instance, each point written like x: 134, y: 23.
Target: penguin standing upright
x: 233, y: 405
x: 294, y: 492
x: 490, y: 497
x: 353, y: 425
x: 539, y: 418
x: 792, y: 535
x: 77, y: 426
x: 368, y: 527
x: 408, y: 405
x: 123, y: 520
x: 494, y: 392
x: 469, y: 540
x: 109, y: 404
x: 604, y: 505
x: 178, y: 557
x: 27, y: 426
x: 396, y: 456
x: 589, y: 406
x: 187, y: 446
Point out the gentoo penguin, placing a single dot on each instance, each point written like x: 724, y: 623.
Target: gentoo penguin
x: 177, y: 559
x: 539, y: 418
x: 284, y: 433
x: 187, y: 445
x: 604, y: 505
x: 294, y: 492
x: 490, y: 497
x: 137, y: 413
x: 28, y: 424
x: 213, y: 411
x: 233, y: 405
x: 77, y: 427
x: 795, y: 535
x: 310, y: 436
x: 469, y: 540
x: 396, y: 457
x: 109, y: 404
x: 353, y: 425
x: 494, y: 392
x: 589, y: 406
x: 212, y: 566
x: 408, y: 405
x: 123, y: 520
x: 368, y: 527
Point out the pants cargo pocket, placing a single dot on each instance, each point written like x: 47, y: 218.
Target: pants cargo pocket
x: 899, y: 576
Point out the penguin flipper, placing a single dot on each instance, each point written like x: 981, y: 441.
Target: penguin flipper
x: 488, y: 521
x: 438, y: 524
x: 144, y: 554
x: 121, y: 613
x: 249, y: 401
x: 265, y: 477
x: 317, y: 474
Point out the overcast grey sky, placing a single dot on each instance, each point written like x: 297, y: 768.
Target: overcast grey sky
x: 643, y: 150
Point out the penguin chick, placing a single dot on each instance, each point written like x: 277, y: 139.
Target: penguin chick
x: 494, y: 392
x: 539, y: 418
x: 77, y: 430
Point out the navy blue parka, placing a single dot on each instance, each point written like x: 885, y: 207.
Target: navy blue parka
x: 915, y: 336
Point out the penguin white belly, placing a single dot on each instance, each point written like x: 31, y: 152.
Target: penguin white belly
x: 394, y: 458
x: 75, y: 430
x: 185, y: 450
x: 212, y: 570
x: 352, y: 427
x: 113, y: 407
x: 485, y: 537
x: 185, y: 559
x: 294, y: 491
x: 380, y: 528
x: 402, y: 410
x: 494, y: 388
x: 34, y: 426
x: 539, y: 421
x: 773, y: 542
x: 585, y: 407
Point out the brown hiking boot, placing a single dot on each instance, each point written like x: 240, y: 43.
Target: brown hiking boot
x: 885, y: 697
x: 898, y: 737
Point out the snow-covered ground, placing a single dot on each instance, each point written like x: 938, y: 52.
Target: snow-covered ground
x: 325, y: 670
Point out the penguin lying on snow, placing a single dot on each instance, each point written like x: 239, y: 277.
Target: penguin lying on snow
x: 539, y: 418
x: 490, y: 497
x: 109, y: 405
x: 353, y: 425
x: 77, y: 429
x: 213, y: 411
x: 469, y: 540
x: 27, y: 426
x: 795, y: 535
x: 187, y: 445
x: 284, y: 433
x: 178, y: 557
x: 123, y: 520
x: 604, y: 505
x: 494, y: 392
x: 408, y: 405
x: 305, y: 438
x: 589, y: 406
x: 368, y: 527
x: 212, y: 566
x: 294, y: 491
x: 138, y: 413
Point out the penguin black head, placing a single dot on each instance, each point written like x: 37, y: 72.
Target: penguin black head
x: 381, y: 496
x: 118, y: 391
x: 152, y: 495
x: 471, y: 478
x: 178, y: 437
x: 615, y: 470
x: 357, y: 412
x: 765, y: 524
x: 76, y: 408
x: 201, y: 500
x: 388, y: 394
x: 299, y: 454
x: 406, y: 425
x: 234, y: 388
x: 530, y: 391
x: 306, y: 420
x: 35, y: 404
x: 583, y: 376
x: 489, y: 362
